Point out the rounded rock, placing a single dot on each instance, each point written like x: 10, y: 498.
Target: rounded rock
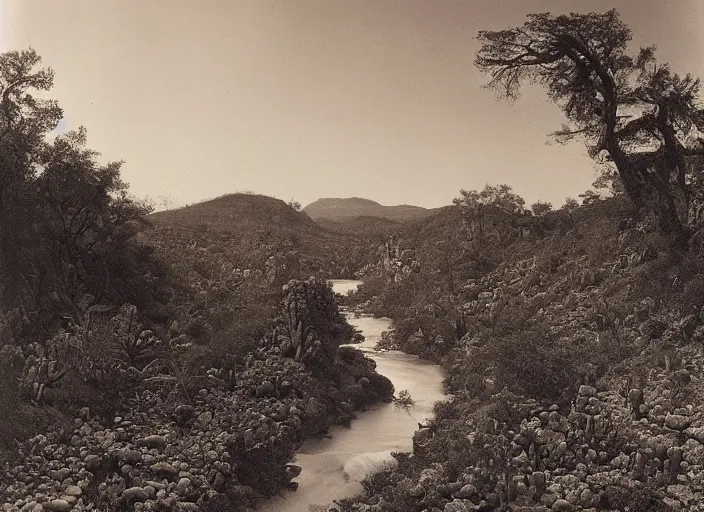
x: 134, y: 494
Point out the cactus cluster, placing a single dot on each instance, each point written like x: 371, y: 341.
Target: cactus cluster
x: 306, y: 330
x: 43, y: 367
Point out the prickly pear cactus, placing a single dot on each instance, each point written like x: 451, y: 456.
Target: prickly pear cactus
x: 42, y: 368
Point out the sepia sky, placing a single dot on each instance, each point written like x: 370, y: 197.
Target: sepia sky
x: 316, y: 98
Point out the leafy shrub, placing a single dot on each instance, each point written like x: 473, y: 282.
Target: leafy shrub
x: 533, y: 364
x: 381, y: 385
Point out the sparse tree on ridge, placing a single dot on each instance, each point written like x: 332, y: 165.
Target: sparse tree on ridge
x: 571, y: 204
x: 630, y: 111
x: 589, y: 197
x: 540, y: 208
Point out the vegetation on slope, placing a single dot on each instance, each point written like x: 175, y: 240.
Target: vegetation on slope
x: 571, y: 339
x: 165, y: 362
x: 590, y: 317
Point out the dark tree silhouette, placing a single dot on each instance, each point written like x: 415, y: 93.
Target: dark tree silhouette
x: 630, y: 111
x: 67, y: 223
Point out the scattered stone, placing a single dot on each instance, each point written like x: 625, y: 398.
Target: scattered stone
x: 184, y: 413
x: 561, y: 505
x: 135, y: 494
x: 129, y: 456
x: 152, y: 441
x: 164, y: 470
x: 73, y: 490
x: 93, y: 462
x: 57, y: 505
x: 677, y: 422
x: 205, y: 418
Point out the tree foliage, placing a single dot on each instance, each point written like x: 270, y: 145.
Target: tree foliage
x: 67, y: 222
x: 499, y: 196
x: 296, y: 205
x: 474, y: 205
x: 540, y: 208
x: 570, y: 205
x: 629, y: 110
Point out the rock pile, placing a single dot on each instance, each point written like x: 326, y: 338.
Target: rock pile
x: 162, y: 455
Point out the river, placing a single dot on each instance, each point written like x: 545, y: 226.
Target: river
x: 333, y: 468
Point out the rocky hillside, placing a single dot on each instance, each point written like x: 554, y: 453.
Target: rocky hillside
x: 572, y: 343
x: 369, y: 227
x: 201, y: 404
x: 185, y: 437
x: 339, y: 209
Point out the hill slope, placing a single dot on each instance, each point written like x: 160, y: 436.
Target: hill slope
x: 250, y: 229
x: 338, y: 209
x: 572, y: 346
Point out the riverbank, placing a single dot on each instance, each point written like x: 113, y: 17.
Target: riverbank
x: 575, y: 359
x: 334, y: 467
x: 209, y: 444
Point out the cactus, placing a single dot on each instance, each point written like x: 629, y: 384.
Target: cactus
x: 40, y: 373
x: 675, y: 457
x: 635, y: 397
x: 307, y: 328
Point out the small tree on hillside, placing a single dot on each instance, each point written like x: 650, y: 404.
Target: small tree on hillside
x: 630, y: 111
x: 473, y: 204
x: 540, y: 208
x: 295, y: 205
x: 571, y: 204
x: 589, y: 197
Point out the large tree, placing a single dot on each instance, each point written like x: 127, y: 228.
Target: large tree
x: 67, y: 223
x: 24, y: 121
x: 629, y: 110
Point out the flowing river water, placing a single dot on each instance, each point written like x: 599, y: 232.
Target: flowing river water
x: 334, y: 467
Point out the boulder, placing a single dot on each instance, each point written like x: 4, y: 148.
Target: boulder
x: 460, y: 506
x: 153, y: 441
x: 184, y: 413
x: 135, y: 494
x: 58, y: 505
x: 266, y: 388
x: 164, y: 470
x: 561, y: 505
x: 677, y: 421
x: 205, y: 418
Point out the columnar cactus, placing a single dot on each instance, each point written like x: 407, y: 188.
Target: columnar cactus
x: 635, y: 398
x: 306, y: 328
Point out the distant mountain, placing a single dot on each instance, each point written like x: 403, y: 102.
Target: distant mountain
x: 340, y: 209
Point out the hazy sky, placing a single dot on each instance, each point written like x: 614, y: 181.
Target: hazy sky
x: 316, y: 98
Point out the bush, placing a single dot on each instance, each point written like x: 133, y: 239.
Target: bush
x: 382, y: 386
x: 533, y: 364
